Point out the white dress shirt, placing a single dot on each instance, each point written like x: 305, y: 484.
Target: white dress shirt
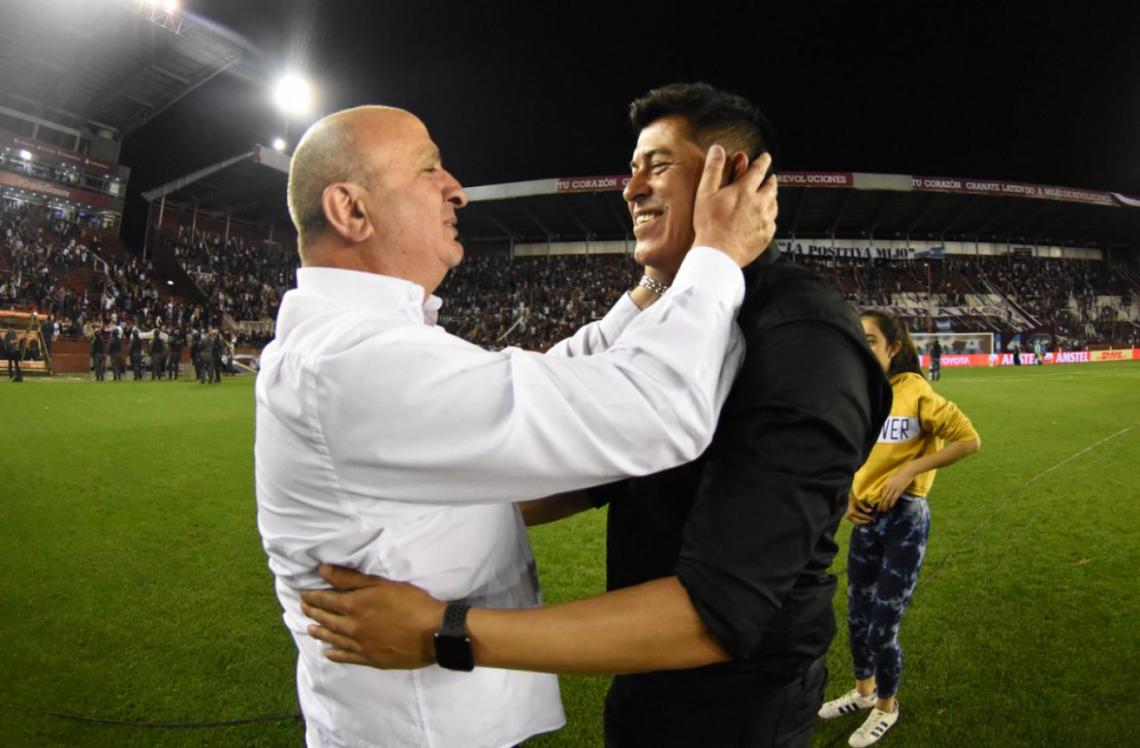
x: 387, y: 445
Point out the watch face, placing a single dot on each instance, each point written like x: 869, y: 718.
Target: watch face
x: 454, y: 652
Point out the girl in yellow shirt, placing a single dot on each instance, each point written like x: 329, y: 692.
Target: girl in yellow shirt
x: 887, y: 505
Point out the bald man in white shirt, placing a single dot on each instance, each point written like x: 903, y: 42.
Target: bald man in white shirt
x: 386, y: 445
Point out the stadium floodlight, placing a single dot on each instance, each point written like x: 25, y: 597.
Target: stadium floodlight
x: 293, y: 95
x: 279, y: 144
x: 26, y: 155
x: 170, y: 6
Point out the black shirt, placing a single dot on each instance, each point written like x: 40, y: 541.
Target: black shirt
x: 749, y: 527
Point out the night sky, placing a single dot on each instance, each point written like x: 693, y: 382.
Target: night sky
x: 1043, y: 93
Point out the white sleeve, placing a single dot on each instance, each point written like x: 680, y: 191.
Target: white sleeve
x: 417, y: 415
x: 600, y: 335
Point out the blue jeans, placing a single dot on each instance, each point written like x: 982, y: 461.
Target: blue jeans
x: 883, y: 562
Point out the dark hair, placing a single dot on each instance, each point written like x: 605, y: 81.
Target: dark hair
x: 716, y: 116
x: 906, y: 360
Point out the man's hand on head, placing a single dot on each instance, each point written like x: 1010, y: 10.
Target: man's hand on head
x: 738, y: 218
x: 373, y: 621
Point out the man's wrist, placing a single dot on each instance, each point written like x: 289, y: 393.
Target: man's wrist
x: 642, y: 297
x: 432, y: 622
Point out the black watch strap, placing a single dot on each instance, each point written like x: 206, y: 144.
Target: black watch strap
x: 455, y: 620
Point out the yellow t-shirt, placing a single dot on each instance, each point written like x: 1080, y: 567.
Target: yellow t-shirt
x: 921, y: 421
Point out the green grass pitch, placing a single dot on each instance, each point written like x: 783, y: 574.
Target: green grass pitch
x: 134, y: 587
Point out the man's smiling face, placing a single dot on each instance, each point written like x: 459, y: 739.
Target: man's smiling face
x: 664, y: 173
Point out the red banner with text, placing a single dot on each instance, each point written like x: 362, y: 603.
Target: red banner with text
x: 952, y: 361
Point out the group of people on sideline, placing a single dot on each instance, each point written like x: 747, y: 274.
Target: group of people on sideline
x: 159, y: 352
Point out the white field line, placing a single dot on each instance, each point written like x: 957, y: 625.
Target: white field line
x: 932, y: 574
x: 1075, y: 455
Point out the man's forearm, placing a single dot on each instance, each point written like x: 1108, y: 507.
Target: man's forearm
x: 554, y: 508
x: 652, y: 626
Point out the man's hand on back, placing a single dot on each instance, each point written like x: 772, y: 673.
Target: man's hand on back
x: 373, y: 621
x: 739, y: 218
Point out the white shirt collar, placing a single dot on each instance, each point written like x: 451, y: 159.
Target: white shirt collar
x: 382, y: 293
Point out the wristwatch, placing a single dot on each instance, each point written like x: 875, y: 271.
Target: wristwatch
x: 452, y: 647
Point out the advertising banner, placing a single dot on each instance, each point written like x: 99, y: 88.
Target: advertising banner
x: 960, y: 312
x: 853, y: 249
x: 617, y: 182
x: 952, y: 361
x: 612, y: 183
x: 815, y: 179
x: 1013, y: 189
x: 1132, y: 354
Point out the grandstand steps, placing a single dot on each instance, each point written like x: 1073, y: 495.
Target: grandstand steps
x: 79, y: 279
x: 1021, y: 319
x: 1129, y: 276
x: 167, y: 266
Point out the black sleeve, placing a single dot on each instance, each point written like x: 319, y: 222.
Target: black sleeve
x: 791, y: 436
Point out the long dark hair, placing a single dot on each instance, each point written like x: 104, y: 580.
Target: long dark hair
x: 895, y: 332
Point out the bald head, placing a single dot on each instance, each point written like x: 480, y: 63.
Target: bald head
x: 368, y: 192
x: 335, y: 149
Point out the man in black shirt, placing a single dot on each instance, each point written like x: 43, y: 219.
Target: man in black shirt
x: 177, y: 340
x: 723, y: 562
x: 196, y: 353
x: 115, y: 348
x: 217, y: 348
x: 14, y: 351
x: 47, y: 330
x: 749, y: 528
x: 136, y: 353
x: 98, y: 354
x: 157, y: 353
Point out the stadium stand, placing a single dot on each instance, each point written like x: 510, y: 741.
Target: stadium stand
x: 62, y: 188
x: 234, y: 278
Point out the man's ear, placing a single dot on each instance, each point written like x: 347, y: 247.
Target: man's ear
x: 345, y: 212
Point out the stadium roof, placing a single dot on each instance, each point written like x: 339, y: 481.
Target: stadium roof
x: 251, y: 188
x: 112, y: 64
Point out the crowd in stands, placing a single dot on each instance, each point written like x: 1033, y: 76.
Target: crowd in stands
x: 49, y: 265
x: 244, y: 280
x: 35, y: 255
x: 495, y: 301
x: 531, y: 302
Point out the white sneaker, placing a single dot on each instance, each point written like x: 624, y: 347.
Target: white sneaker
x: 874, y: 728
x: 848, y: 703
